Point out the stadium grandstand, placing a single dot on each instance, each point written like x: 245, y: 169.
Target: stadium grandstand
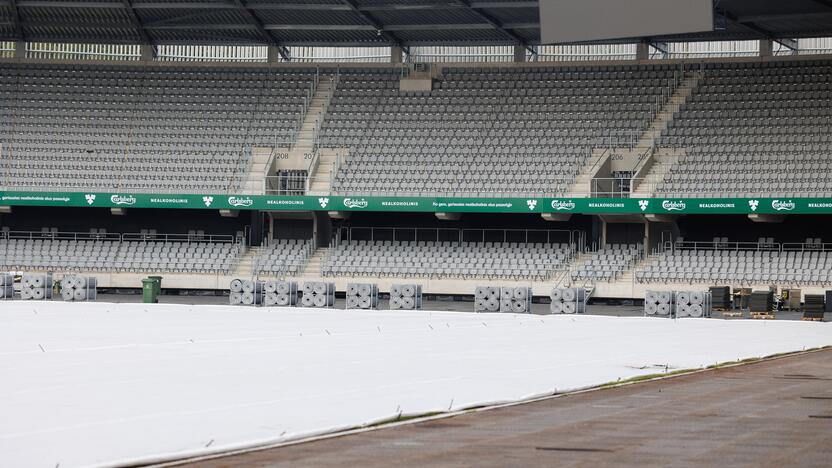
x: 332, y: 109
x: 444, y: 144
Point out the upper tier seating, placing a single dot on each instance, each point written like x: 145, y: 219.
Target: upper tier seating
x: 608, y: 263
x: 755, y: 129
x: 141, y: 128
x: 446, y: 259
x: 496, y: 131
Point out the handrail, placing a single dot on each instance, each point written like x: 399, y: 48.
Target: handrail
x: 336, y: 166
x: 334, y: 80
x: 621, y: 192
x: 117, y: 237
x: 458, y: 234
x: 598, y: 159
x: 721, y: 246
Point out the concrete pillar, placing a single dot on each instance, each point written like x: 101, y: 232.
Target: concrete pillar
x: 643, y: 50
x: 603, y: 238
x: 396, y: 55
x: 322, y: 228
x: 19, y: 49
x: 147, y: 53
x: 273, y: 54
x: 766, y: 47
x: 519, y: 53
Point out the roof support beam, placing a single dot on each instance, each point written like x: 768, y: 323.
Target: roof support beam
x: 137, y: 23
x: 826, y: 3
x: 254, y: 21
x: 495, y: 24
x: 765, y: 33
x: 171, y: 24
x: 369, y: 19
x: 173, y: 20
x: 18, y: 28
x: 266, y: 5
x: 661, y: 47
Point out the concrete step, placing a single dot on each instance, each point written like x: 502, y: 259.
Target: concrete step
x: 313, y: 264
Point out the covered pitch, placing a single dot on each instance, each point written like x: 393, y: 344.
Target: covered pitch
x: 109, y: 384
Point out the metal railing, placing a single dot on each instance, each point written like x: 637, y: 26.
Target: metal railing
x: 673, y: 246
x: 319, y: 121
x: 617, y: 139
x: 118, y: 237
x: 455, y: 192
x: 283, y: 267
x: 612, y: 187
x: 414, y: 234
x: 748, y: 246
x: 661, y: 100
x: 287, y: 184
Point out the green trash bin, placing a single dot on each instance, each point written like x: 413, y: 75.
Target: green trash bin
x: 158, y: 280
x: 149, y: 291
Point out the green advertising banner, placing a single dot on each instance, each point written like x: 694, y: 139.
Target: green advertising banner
x: 423, y: 204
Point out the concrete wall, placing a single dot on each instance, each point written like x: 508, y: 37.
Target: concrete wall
x: 629, y: 289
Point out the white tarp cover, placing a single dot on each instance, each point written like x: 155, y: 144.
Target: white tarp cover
x: 100, y: 384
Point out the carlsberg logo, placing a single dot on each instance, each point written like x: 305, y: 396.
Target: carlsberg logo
x: 238, y: 201
x: 355, y: 203
x: 123, y: 199
x: 563, y: 205
x: 783, y: 205
x: 671, y: 205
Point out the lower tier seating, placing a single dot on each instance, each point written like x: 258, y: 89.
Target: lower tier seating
x: 117, y: 255
x: 739, y: 267
x: 447, y: 259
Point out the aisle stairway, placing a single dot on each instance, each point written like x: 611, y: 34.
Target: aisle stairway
x: 246, y: 265
x: 313, y: 265
x: 257, y: 170
x: 653, y: 163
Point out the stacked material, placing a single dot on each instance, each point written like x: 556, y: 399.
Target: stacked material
x: 741, y: 298
x: 406, y: 296
x: 658, y: 303
x: 36, y: 286
x: 516, y: 300
x: 318, y: 294
x: 721, y: 297
x: 761, y: 301
x: 814, y: 306
x: 568, y: 301
x: 246, y: 292
x: 79, y: 288
x: 693, y: 304
x: 486, y: 299
x: 6, y: 286
x: 362, y: 296
x: 280, y: 293
x: 828, y: 301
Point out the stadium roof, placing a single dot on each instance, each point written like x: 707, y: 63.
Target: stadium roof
x: 356, y: 22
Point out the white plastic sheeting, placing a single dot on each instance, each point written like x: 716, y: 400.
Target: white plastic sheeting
x: 101, y: 384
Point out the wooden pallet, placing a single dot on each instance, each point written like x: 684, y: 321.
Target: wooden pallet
x: 731, y: 313
x: 813, y: 319
x: 762, y: 315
